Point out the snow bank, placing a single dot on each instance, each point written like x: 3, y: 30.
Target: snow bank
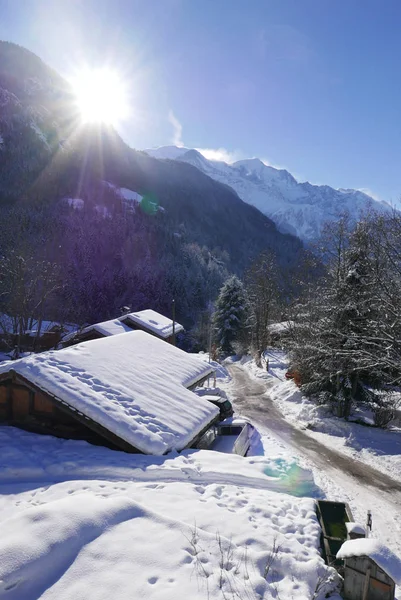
x: 194, y: 525
x: 377, y: 447
x: 220, y: 370
x: 383, y: 556
x: 79, y: 545
x: 29, y: 457
x: 133, y: 384
x: 37, y: 546
x: 154, y: 322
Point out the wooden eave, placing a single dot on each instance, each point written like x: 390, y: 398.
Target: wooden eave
x: 201, y: 379
x: 198, y: 436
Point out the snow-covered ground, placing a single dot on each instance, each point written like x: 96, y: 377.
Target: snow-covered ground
x: 377, y: 447
x: 84, y: 522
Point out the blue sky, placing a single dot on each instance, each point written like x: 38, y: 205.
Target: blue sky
x: 310, y: 85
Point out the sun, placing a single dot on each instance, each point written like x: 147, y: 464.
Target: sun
x: 101, y: 96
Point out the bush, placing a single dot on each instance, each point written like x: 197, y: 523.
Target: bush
x: 384, y: 410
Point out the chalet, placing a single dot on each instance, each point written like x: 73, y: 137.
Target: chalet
x: 130, y: 392
x: 145, y: 320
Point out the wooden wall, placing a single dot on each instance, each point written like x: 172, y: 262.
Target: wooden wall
x: 381, y: 586
x: 35, y: 411
x: 3, y: 402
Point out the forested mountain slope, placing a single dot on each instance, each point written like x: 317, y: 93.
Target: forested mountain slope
x: 106, y: 254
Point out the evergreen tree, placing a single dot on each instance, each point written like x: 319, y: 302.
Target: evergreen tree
x: 231, y: 316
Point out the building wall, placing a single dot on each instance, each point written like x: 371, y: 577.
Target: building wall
x: 3, y: 403
x: 35, y: 411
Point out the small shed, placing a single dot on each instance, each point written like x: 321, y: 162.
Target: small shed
x: 371, y: 570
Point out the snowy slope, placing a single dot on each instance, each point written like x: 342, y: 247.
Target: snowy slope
x: 297, y: 208
x: 98, y: 524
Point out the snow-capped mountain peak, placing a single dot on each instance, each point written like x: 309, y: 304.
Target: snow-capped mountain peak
x: 297, y: 208
x: 167, y: 152
x: 254, y: 166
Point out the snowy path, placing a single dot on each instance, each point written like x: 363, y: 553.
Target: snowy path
x: 340, y: 476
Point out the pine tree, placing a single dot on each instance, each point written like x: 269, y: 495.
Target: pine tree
x: 231, y: 316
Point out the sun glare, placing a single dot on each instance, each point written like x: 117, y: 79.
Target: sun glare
x: 100, y: 95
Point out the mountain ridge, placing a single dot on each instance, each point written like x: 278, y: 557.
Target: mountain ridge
x: 299, y: 208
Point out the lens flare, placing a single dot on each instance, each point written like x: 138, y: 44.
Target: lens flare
x: 149, y: 204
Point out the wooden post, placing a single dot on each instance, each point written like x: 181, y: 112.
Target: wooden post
x: 368, y: 522
x: 173, y: 310
x: 366, y: 584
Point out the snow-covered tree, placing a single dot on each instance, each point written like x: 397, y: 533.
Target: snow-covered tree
x: 231, y: 315
x: 346, y: 345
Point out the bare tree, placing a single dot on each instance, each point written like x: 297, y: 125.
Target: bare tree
x: 262, y: 286
x: 27, y: 285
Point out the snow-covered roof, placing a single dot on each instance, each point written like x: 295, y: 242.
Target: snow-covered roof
x: 374, y: 549
x: 355, y: 528
x: 147, y: 319
x: 134, y: 385
x: 154, y: 322
x: 105, y: 328
x: 112, y: 327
